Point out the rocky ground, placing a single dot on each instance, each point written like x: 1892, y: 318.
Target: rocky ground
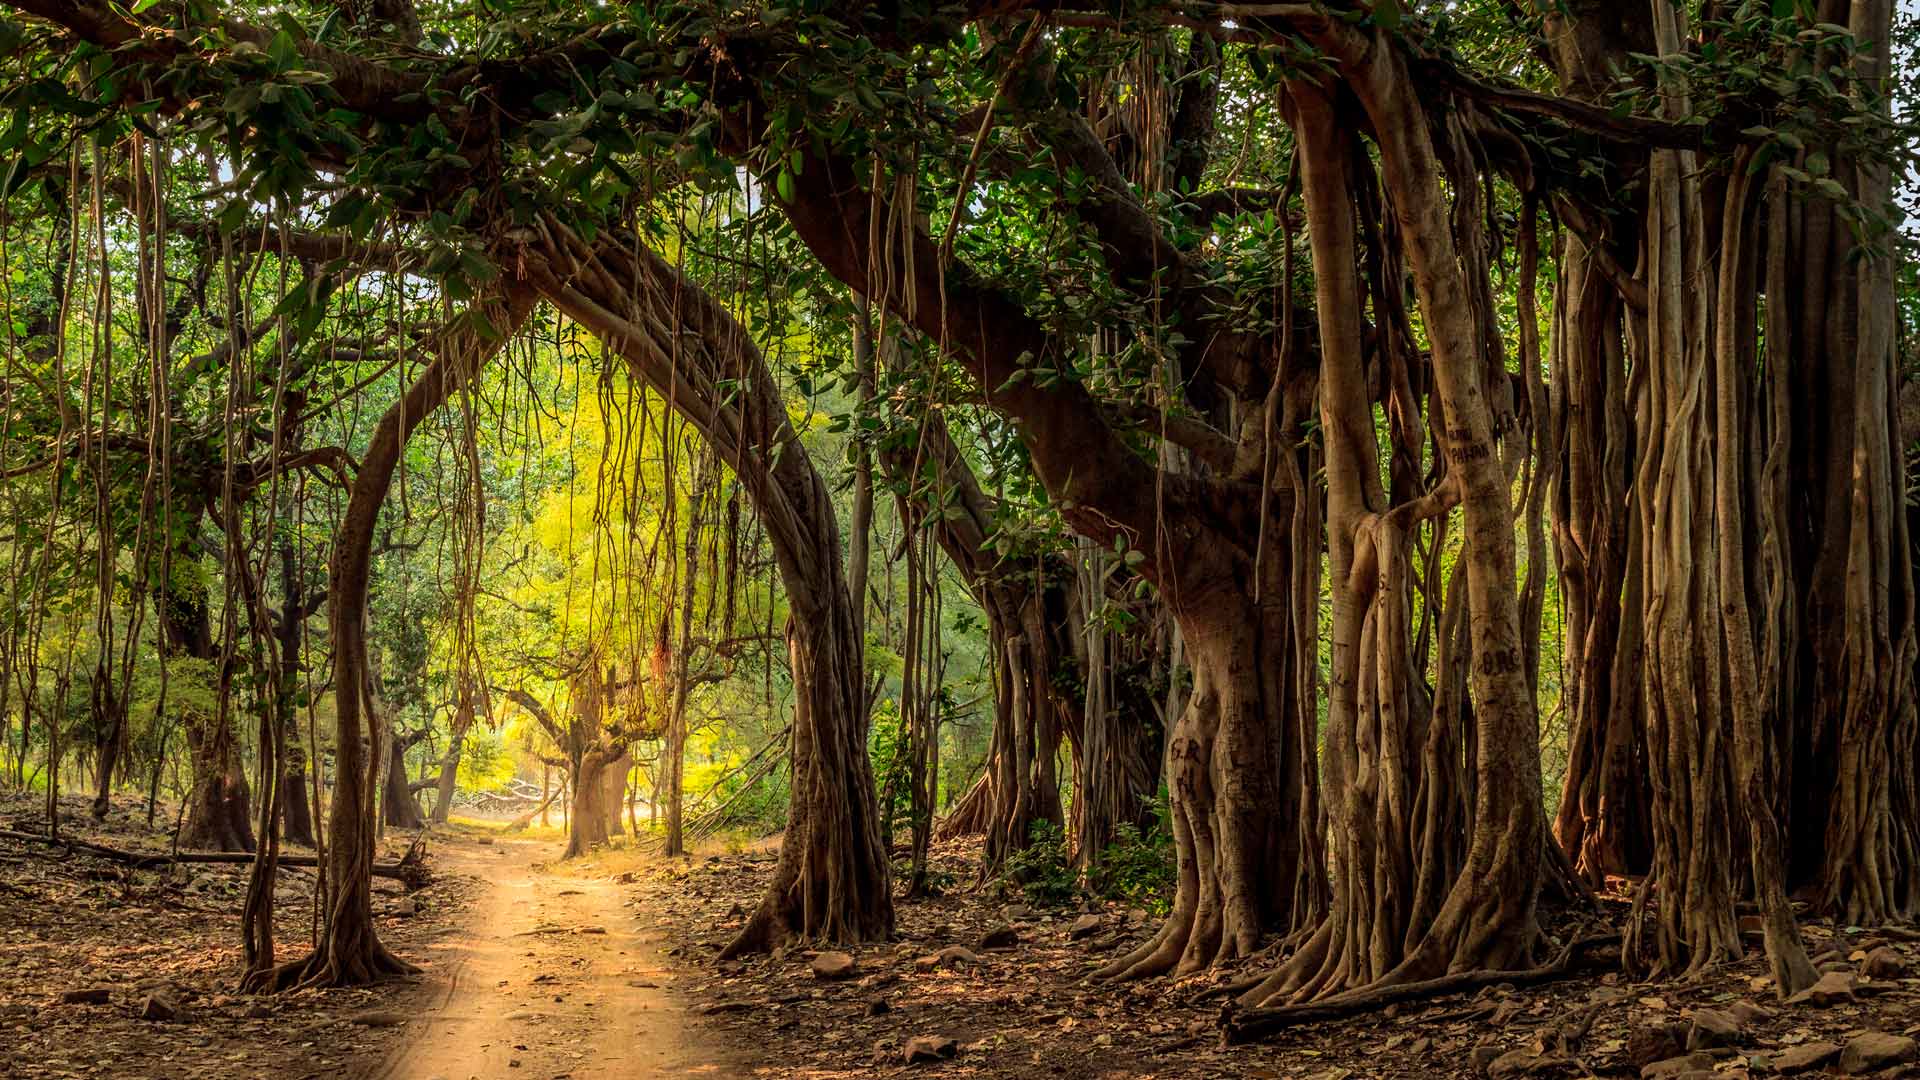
x: 111, y: 971
x: 979, y: 984
x: 107, y: 971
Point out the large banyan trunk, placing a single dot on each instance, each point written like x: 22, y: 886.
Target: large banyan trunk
x: 349, y: 951
x: 1486, y: 914
x: 832, y: 881
x: 1409, y: 904
x: 1852, y: 680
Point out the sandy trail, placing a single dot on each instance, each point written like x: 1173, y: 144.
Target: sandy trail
x: 551, y: 980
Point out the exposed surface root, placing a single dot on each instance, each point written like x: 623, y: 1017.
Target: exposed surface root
x: 1253, y: 1024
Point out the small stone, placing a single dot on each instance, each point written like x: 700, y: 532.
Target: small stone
x: 377, y: 1018
x: 92, y: 995
x: 1712, y: 1028
x: 1085, y: 926
x: 1797, y: 1059
x: 1673, y: 1068
x: 834, y: 966
x: 1525, y: 1061
x: 485, y: 841
x: 951, y: 956
x: 1876, y: 1050
x: 926, y: 1048
x: 1017, y: 912
x: 1833, y: 988
x: 1657, y: 1042
x: 1003, y: 937
x: 1884, y: 963
x: 1749, y: 1014
x: 158, y: 1007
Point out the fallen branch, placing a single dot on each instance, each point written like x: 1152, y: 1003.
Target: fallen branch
x: 1255, y: 1024
x: 411, y: 869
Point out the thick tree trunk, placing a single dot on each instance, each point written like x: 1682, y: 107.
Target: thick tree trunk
x: 832, y: 881
x: 349, y: 951
x: 592, y: 807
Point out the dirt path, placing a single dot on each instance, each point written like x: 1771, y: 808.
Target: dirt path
x: 553, y: 980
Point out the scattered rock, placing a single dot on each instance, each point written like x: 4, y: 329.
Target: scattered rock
x: 1884, y: 963
x: 926, y: 1048
x: 715, y: 1008
x: 951, y: 956
x: 1876, y: 1050
x: 1675, y: 1067
x: 1712, y: 1028
x: 378, y: 1018
x: 1085, y: 926
x: 1004, y: 937
x: 834, y: 966
x: 158, y: 1007
x: 485, y: 841
x: 1526, y: 1061
x: 1797, y: 1059
x: 1834, y: 988
x: 92, y: 995
x: 1657, y: 1042
x: 1749, y: 1014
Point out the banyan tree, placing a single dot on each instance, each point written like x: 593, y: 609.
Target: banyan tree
x: 1440, y: 381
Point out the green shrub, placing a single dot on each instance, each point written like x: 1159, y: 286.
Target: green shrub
x: 1042, y: 871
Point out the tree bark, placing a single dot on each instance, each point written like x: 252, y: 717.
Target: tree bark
x: 832, y: 881
x: 349, y: 951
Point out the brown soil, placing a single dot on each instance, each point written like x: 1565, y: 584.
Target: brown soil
x: 553, y: 980
x: 1030, y: 1010
x: 70, y: 921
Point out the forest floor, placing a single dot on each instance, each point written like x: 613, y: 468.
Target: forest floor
x: 550, y: 978
x: 1027, y: 1009
x: 608, y: 966
x: 108, y: 971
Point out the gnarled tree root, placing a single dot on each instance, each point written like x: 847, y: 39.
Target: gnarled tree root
x: 1253, y: 1024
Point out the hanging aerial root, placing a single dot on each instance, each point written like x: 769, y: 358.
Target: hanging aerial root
x: 1243, y: 1026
